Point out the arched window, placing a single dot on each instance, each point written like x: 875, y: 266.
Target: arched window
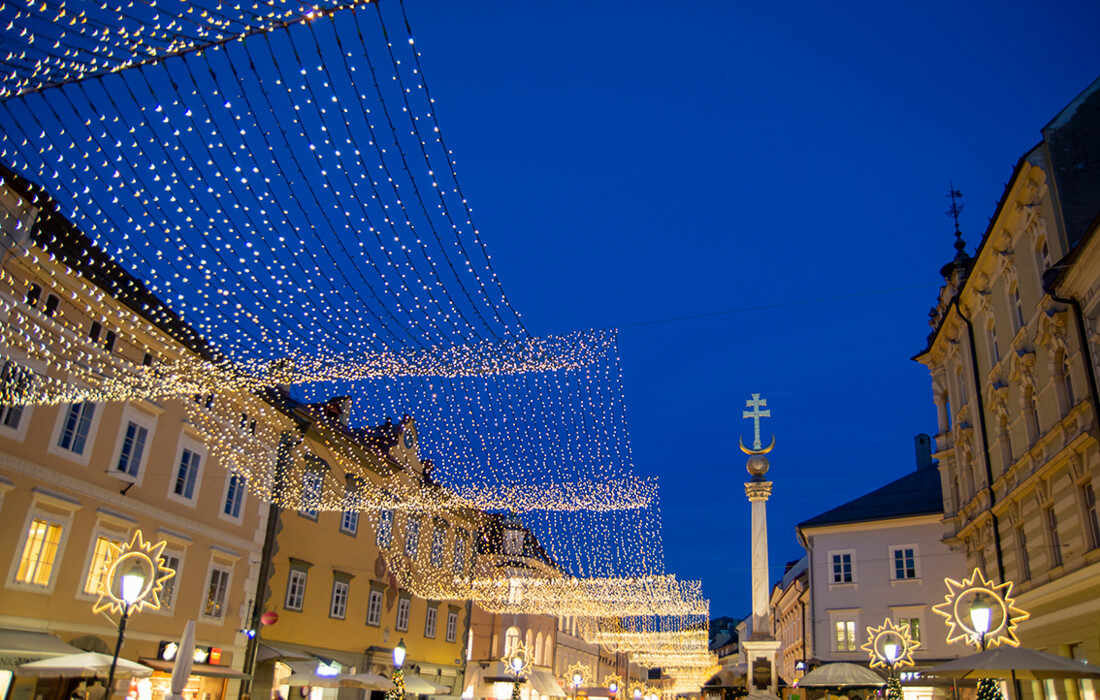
x: 1067, y: 381
x: 538, y: 649
x: 530, y: 643
x: 511, y: 640
x: 1031, y: 415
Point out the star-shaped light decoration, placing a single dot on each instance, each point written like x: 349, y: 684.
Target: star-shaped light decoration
x: 577, y: 670
x: 613, y: 683
x: 956, y: 608
x: 886, y: 633
x: 637, y: 691
x: 121, y: 558
x: 517, y: 661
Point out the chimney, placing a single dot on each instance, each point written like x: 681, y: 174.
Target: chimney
x: 923, y: 445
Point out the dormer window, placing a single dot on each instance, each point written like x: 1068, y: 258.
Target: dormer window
x: 109, y: 343
x: 52, y: 301
x: 95, y: 330
x: 34, y: 293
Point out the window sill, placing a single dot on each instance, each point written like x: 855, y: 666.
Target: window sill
x: 853, y: 585
x: 905, y: 581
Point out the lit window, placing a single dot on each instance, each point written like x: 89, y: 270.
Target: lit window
x: 339, y: 606
x: 187, y: 474
x: 133, y: 448
x: 36, y: 563
x: 374, y: 608
x: 385, y: 528
x: 845, y: 635
x: 452, y: 626
x: 403, y: 607
x: 905, y: 563
x: 511, y: 640
x: 429, y: 623
x: 912, y: 624
x: 216, y: 591
x: 93, y: 585
x: 78, y: 422
x: 234, y: 496
x: 295, y: 589
x: 168, y: 592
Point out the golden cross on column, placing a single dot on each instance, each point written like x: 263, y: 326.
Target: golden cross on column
x: 756, y: 403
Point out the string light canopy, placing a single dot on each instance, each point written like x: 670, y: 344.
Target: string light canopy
x: 1003, y: 615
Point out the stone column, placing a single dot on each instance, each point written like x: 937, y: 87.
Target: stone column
x: 760, y: 648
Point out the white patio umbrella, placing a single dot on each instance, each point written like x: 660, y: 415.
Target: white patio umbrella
x: 841, y: 675
x: 370, y: 681
x: 416, y: 685
x: 87, y: 665
x: 313, y: 680
x: 185, y: 657
x: 1014, y: 663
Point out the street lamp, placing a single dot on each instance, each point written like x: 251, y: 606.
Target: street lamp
x: 637, y: 694
x: 890, y: 653
x: 613, y: 682
x: 577, y: 677
x: 398, y: 690
x: 981, y: 614
x: 132, y: 586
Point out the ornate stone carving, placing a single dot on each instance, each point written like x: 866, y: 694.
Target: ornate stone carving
x: 1008, y: 264
x: 758, y: 490
x: 1023, y: 369
x: 1052, y: 331
x: 996, y: 402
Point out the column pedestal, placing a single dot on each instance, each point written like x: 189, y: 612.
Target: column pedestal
x: 761, y: 678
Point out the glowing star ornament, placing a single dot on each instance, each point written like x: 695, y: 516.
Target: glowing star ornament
x: 576, y: 675
x: 517, y: 661
x: 890, y: 646
x: 121, y: 559
x: 997, y: 609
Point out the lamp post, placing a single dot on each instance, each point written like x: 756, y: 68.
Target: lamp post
x: 398, y: 691
x: 132, y: 586
x: 577, y: 679
x: 981, y: 614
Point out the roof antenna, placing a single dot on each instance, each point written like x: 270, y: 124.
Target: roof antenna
x: 954, y: 212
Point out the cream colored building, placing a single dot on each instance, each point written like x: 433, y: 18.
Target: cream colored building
x: 1013, y: 362
x: 789, y: 605
x: 76, y: 477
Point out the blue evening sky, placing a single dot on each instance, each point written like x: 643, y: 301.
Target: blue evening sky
x: 636, y: 161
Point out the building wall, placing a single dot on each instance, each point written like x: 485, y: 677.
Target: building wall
x: 874, y: 593
x: 85, y: 493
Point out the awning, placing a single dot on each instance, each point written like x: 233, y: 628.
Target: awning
x: 23, y: 646
x: 266, y: 652
x: 211, y: 670
x: 421, y: 686
x: 544, y: 683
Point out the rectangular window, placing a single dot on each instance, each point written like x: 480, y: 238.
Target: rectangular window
x: 912, y: 624
x: 452, y: 626
x: 374, y: 608
x: 994, y: 351
x: 845, y: 635
x: 385, y: 528
x: 429, y: 622
x: 437, y: 547
x: 133, y: 447
x: 1092, y: 522
x: 34, y: 293
x: 460, y: 552
x: 339, y: 606
x: 412, y: 536
x: 842, y: 568
x: 95, y: 579
x: 1055, y: 538
x: 234, y: 497
x: 216, y: 591
x: 10, y: 415
x: 905, y: 563
x: 187, y: 473
x: 168, y: 593
x: 36, y: 563
x: 403, y: 607
x: 78, y: 422
x: 1017, y: 308
x: 295, y: 590
x: 52, y: 302
x: 1021, y: 552
x: 349, y: 522
x: 109, y: 342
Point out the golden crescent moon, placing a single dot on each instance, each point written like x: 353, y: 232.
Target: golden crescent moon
x: 764, y: 451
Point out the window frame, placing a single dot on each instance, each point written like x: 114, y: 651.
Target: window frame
x: 55, y: 447
x: 439, y: 540
x: 900, y: 549
x: 51, y: 517
x: 458, y: 563
x: 404, y: 604
x: 849, y: 626
x: 143, y: 420
x: 1091, y: 515
x: 431, y: 619
x: 452, y: 628
x: 295, y: 596
x: 412, y: 535
x: 338, y: 583
x: 353, y: 529
x: 204, y: 605
x: 196, y: 448
x: 170, y: 590
x: 110, y: 535
x: 384, y: 531
x: 374, y: 607
x: 1050, y: 518
x: 241, y: 494
x: 851, y: 554
x: 19, y: 432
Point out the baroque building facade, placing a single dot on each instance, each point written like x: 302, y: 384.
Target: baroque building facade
x: 1012, y: 355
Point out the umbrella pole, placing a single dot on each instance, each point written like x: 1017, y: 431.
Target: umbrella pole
x: 1015, y: 685
x: 955, y: 688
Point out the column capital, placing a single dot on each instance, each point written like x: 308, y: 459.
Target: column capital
x: 758, y: 490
